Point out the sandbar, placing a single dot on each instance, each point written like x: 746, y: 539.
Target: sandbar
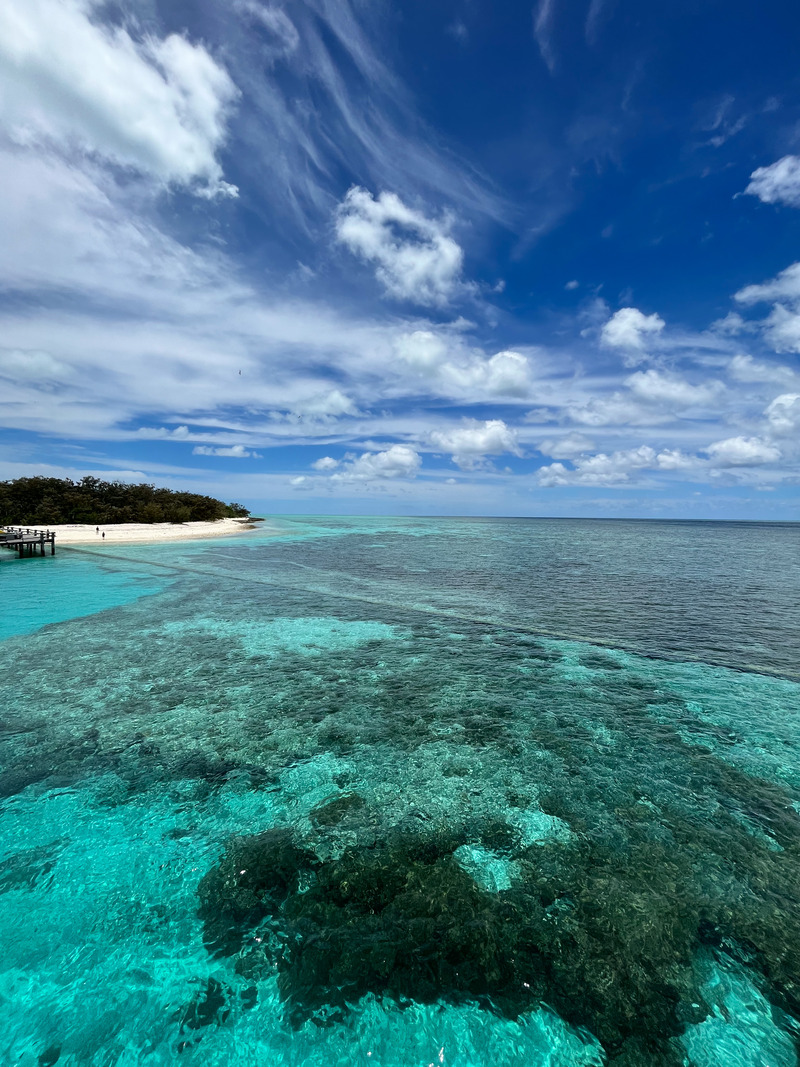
x: 155, y: 532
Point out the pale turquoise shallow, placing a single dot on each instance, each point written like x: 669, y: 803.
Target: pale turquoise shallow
x: 589, y: 726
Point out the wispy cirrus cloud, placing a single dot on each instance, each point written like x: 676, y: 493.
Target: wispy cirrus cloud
x: 543, y: 30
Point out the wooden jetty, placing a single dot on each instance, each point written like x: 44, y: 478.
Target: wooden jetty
x: 27, y: 542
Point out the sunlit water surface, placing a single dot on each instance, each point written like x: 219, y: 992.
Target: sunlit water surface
x: 404, y: 792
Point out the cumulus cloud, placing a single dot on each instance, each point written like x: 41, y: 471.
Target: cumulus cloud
x: 157, y: 105
x: 619, y: 409
x: 566, y: 447
x: 782, y: 326
x: 229, y: 451
x: 779, y: 183
x: 463, y: 372
x: 630, y: 330
x: 471, y: 443
x: 598, y: 470
x: 783, y: 414
x: 324, y: 406
x: 423, y: 350
x: 325, y: 463
x: 163, y: 433
x: 732, y: 324
x: 504, y: 374
x: 784, y: 287
x: 415, y: 258
x: 668, y: 389
x: 746, y: 369
x: 743, y: 452
x: 614, y: 470
x: 397, y: 461
x: 652, y: 398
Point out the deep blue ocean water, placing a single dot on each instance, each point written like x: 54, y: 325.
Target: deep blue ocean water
x: 404, y: 792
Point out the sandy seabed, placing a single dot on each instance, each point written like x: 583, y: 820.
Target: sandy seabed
x: 128, y: 532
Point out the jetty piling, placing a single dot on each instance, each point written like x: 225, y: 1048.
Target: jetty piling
x: 27, y: 542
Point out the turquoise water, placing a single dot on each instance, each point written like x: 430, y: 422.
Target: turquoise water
x: 407, y: 793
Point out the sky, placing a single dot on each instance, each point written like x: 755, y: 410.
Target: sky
x: 339, y: 256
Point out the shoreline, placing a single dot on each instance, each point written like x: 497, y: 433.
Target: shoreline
x: 120, y: 533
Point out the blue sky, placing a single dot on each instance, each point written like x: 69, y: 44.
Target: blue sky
x: 444, y: 258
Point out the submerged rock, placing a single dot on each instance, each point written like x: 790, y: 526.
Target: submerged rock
x: 210, y: 1006
x: 252, y: 879
x: 29, y: 868
x: 492, y: 871
x: 332, y: 812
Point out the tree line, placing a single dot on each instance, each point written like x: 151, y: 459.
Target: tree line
x: 50, y: 501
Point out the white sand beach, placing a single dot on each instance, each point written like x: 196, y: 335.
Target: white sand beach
x: 130, y: 532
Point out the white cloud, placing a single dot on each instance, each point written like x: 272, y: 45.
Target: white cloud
x: 279, y: 36
x: 415, y: 257
x: 325, y: 463
x: 783, y: 287
x: 572, y: 285
x: 742, y: 452
x: 617, y: 410
x: 423, y: 350
x: 469, y: 444
x: 615, y: 470
x: 461, y: 372
x: 746, y: 369
x: 779, y: 183
x: 397, y: 461
x: 782, y: 326
x: 671, y: 391
x: 543, y: 28
x: 672, y: 459
x: 630, y: 329
x: 157, y: 105
x: 161, y: 433
x: 504, y: 374
x: 566, y: 447
x: 327, y: 405
x: 598, y: 470
x: 230, y: 451
x: 783, y: 414
x: 732, y: 324
x: 32, y: 366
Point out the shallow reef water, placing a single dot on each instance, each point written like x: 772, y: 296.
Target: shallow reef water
x: 405, y: 792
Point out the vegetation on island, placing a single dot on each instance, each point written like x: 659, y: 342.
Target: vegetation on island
x: 50, y: 501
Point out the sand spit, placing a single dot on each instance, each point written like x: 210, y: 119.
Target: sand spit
x: 141, y: 532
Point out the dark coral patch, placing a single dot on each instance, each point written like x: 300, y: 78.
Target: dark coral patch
x: 335, y: 811
x: 253, y: 878
x: 604, y: 933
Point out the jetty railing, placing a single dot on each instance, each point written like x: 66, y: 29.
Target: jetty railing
x: 27, y: 542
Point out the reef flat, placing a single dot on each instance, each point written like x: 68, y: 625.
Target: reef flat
x: 338, y: 796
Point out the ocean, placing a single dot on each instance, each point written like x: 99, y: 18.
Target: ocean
x: 404, y: 793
